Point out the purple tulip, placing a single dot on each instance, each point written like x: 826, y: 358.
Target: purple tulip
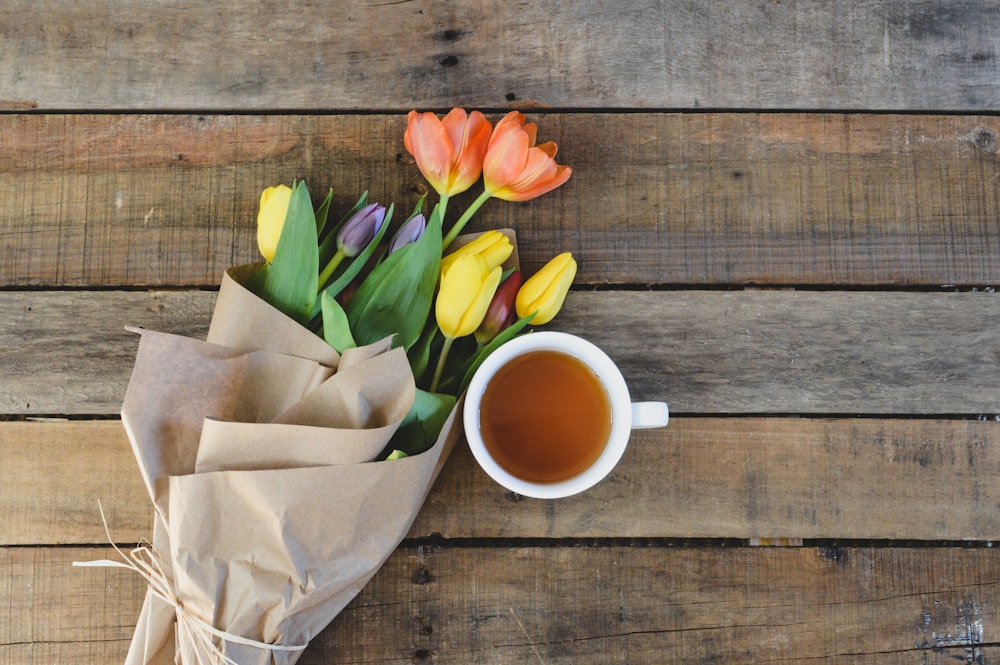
x: 360, y: 229
x: 408, y: 232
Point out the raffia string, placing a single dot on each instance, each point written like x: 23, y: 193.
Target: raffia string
x: 146, y: 561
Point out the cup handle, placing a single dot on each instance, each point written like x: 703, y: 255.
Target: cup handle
x: 647, y: 415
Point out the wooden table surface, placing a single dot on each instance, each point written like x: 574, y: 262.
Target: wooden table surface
x: 786, y: 215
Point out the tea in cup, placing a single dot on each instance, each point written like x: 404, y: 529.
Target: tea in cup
x: 548, y: 415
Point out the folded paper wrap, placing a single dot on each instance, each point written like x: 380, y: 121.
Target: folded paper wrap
x: 258, y: 449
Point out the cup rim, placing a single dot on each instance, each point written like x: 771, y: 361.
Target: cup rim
x: 614, y: 385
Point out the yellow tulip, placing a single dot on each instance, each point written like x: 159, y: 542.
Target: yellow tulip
x: 493, y: 247
x: 271, y: 219
x: 467, y: 287
x: 544, y: 292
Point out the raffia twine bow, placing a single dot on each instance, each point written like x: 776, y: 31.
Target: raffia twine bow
x: 206, y: 638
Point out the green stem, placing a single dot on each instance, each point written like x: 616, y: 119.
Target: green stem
x: 443, y: 202
x: 327, y: 273
x: 440, y: 366
x: 466, y: 216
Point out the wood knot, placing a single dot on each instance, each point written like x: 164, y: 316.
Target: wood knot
x: 422, y: 576
x: 832, y: 554
x: 985, y: 139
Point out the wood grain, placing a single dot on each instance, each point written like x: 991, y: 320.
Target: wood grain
x: 711, y: 198
x: 810, y: 54
x: 843, y: 145
x: 706, y: 352
x: 699, y: 478
x: 560, y: 605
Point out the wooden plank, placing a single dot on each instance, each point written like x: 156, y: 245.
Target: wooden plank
x: 702, y: 351
x: 750, y: 478
x: 559, y: 605
x: 902, y: 55
x: 57, y: 477
x: 68, y: 352
x: 53, y: 614
x: 713, y: 198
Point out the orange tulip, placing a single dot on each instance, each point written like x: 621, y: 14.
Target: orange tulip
x: 449, y: 152
x: 515, y: 169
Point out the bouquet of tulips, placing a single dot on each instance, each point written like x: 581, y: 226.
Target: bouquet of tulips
x: 287, y: 455
x: 318, y: 276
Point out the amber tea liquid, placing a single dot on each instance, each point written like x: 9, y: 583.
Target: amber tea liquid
x: 545, y: 417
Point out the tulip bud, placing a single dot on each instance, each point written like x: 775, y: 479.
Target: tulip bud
x: 409, y: 232
x: 544, y: 292
x: 492, y: 246
x: 360, y: 229
x: 467, y: 287
x: 501, y: 313
x: 271, y: 219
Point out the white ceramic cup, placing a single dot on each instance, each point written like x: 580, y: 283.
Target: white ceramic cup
x: 625, y: 414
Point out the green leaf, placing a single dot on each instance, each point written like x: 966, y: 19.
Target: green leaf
x: 419, y: 354
x: 417, y: 209
x: 397, y: 296
x: 422, y: 425
x: 504, y: 337
x: 255, y: 282
x: 322, y: 212
x: 336, y: 328
x: 290, y: 283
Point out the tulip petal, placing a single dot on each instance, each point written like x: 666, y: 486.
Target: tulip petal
x: 476, y: 311
x: 469, y: 140
x: 274, y: 203
x: 542, y: 186
x: 427, y: 140
x: 460, y: 284
x: 505, y: 159
x: 497, y: 252
x: 510, y: 122
x: 545, y: 291
x: 549, y: 148
x: 493, y: 246
x: 531, y: 129
x: 455, y: 123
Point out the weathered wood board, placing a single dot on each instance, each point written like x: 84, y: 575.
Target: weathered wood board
x: 729, y: 478
x: 705, y: 352
x: 842, y: 154
x: 810, y: 54
x: 709, y: 198
x: 573, y: 605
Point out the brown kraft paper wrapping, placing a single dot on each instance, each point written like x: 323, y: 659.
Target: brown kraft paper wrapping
x: 257, y: 449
